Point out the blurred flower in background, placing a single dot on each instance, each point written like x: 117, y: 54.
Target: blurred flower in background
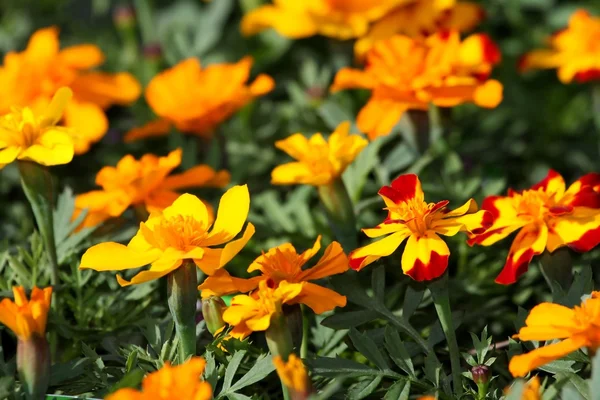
x: 31, y: 77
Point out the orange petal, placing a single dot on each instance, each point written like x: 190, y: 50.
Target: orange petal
x: 156, y: 128
x: 333, y: 262
x: 521, y: 365
x: 319, y: 299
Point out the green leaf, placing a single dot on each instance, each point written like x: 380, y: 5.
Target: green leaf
x: 130, y: 380
x: 232, y: 368
x: 579, y: 384
x: 516, y: 390
x: 595, y: 379
x: 397, y: 351
x: 211, y: 373
x: 364, y: 388
x: 367, y: 347
x: 351, y: 319
x: 333, y: 367
x: 412, y: 299
x: 261, y: 368
x: 398, y: 391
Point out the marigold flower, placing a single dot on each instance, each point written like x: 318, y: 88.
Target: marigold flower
x: 320, y: 161
x: 409, y: 216
x: 196, y: 100
x: 293, y: 375
x: 179, y: 232
x: 531, y: 391
x: 549, y: 217
x: 575, y: 51
x: 420, y: 19
x: 284, y: 264
x: 253, y: 313
x: 340, y: 19
x: 405, y: 74
x: 145, y: 182
x: 171, y: 383
x: 30, y: 78
x: 578, y: 327
x: 25, y: 136
x: 26, y: 318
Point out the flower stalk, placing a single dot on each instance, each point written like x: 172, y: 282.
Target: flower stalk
x: 33, y: 364
x: 279, y: 336
x: 36, y: 181
x: 182, y: 295
x: 340, y: 212
x: 441, y: 300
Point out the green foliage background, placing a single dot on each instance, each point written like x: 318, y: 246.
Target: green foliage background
x: 109, y: 333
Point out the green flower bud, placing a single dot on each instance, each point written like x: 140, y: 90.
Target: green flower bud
x: 212, y: 311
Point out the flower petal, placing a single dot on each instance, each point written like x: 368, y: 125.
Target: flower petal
x: 370, y: 253
x: 221, y: 283
x: 333, y: 262
x: 53, y: 147
x: 156, y: 128
x: 289, y: 24
x: 297, y: 172
x: 404, y: 188
x: 530, y: 241
x: 213, y: 259
x: 425, y: 257
x: 521, y: 365
x: 231, y: 216
x: 158, y: 269
x: 187, y: 205
x: 548, y: 321
x: 198, y: 176
x: 319, y: 298
x: 116, y: 257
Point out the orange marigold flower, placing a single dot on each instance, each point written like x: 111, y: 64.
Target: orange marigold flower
x: 319, y: 161
x: 26, y: 136
x: 293, y: 375
x: 253, y: 313
x: 531, y: 390
x: 427, y: 398
x: 340, y: 19
x: 171, y: 383
x: 196, y: 100
x: 26, y: 317
x: 179, y: 232
x: 575, y: 51
x: 420, y: 19
x: 549, y: 217
x: 409, y: 216
x: 283, y: 263
x: 145, y: 182
x: 578, y: 327
x: 404, y: 73
x: 32, y: 77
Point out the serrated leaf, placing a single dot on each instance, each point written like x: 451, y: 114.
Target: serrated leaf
x: 232, y: 368
x: 412, y: 299
x: 367, y: 347
x: 397, y: 351
x: 364, y: 388
x: 261, y: 368
x: 398, y: 391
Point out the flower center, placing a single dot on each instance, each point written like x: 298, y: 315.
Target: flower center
x: 589, y: 322
x: 179, y: 231
x: 414, y: 213
x: 353, y: 5
x: 283, y: 265
x: 534, y: 203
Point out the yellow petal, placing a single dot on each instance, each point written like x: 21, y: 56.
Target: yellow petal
x: 57, y: 106
x: 231, y: 216
x: 53, y: 147
x: 116, y: 257
x: 213, y: 259
x: 298, y: 173
x: 221, y: 283
x: 158, y: 269
x: 370, y: 253
x: 425, y: 256
x: 190, y: 205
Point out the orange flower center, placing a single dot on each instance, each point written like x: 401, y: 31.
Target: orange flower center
x: 415, y: 213
x: 179, y: 231
x: 538, y: 205
x: 588, y: 322
x: 317, y: 159
x: 283, y: 265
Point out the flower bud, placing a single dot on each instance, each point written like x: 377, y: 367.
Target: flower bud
x: 124, y: 17
x: 212, y: 311
x: 481, y: 374
x: 33, y: 364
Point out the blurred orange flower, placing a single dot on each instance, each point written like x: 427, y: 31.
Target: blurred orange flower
x: 195, y: 99
x: 575, y: 51
x: 253, y: 313
x: 171, y: 383
x: 340, y: 19
x: 319, y: 161
x: 26, y: 317
x: 420, y: 19
x: 425, y: 256
x: 26, y: 136
x: 144, y: 183
x: 30, y: 78
x: 548, y: 215
x: 283, y: 263
x: 404, y: 73
x: 531, y: 390
x: 579, y: 327
x: 180, y: 232
x: 293, y: 375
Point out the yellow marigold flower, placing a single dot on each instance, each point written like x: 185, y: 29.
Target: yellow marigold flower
x: 25, y: 136
x: 320, y: 161
x: 196, y: 100
x: 180, y: 232
x: 340, y: 19
x: 253, y: 313
x: 284, y: 264
x: 405, y: 74
x: 293, y: 375
x: 578, y: 327
x: 30, y: 78
x: 575, y: 52
x: 420, y: 19
x: 145, y: 182
x: 181, y: 382
x: 409, y: 216
x: 26, y: 317
x: 531, y: 391
x: 548, y: 215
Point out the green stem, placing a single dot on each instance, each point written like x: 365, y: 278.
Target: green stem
x: 441, y: 299
x: 482, y: 389
x: 596, y: 105
x: 340, y: 212
x: 36, y: 181
x: 279, y: 337
x: 182, y: 294
x: 305, y: 333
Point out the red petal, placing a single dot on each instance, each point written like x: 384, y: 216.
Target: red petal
x: 513, y: 269
x: 587, y: 242
x: 426, y: 272
x: 403, y: 188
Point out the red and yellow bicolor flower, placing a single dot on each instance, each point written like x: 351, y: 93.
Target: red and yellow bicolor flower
x: 548, y: 215
x: 410, y: 217
x: 575, y: 51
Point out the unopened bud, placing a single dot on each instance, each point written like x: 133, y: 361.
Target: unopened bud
x: 212, y: 311
x: 152, y: 52
x: 124, y: 17
x: 481, y: 374
x: 33, y: 364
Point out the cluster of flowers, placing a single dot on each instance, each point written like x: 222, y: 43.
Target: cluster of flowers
x: 414, y: 57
